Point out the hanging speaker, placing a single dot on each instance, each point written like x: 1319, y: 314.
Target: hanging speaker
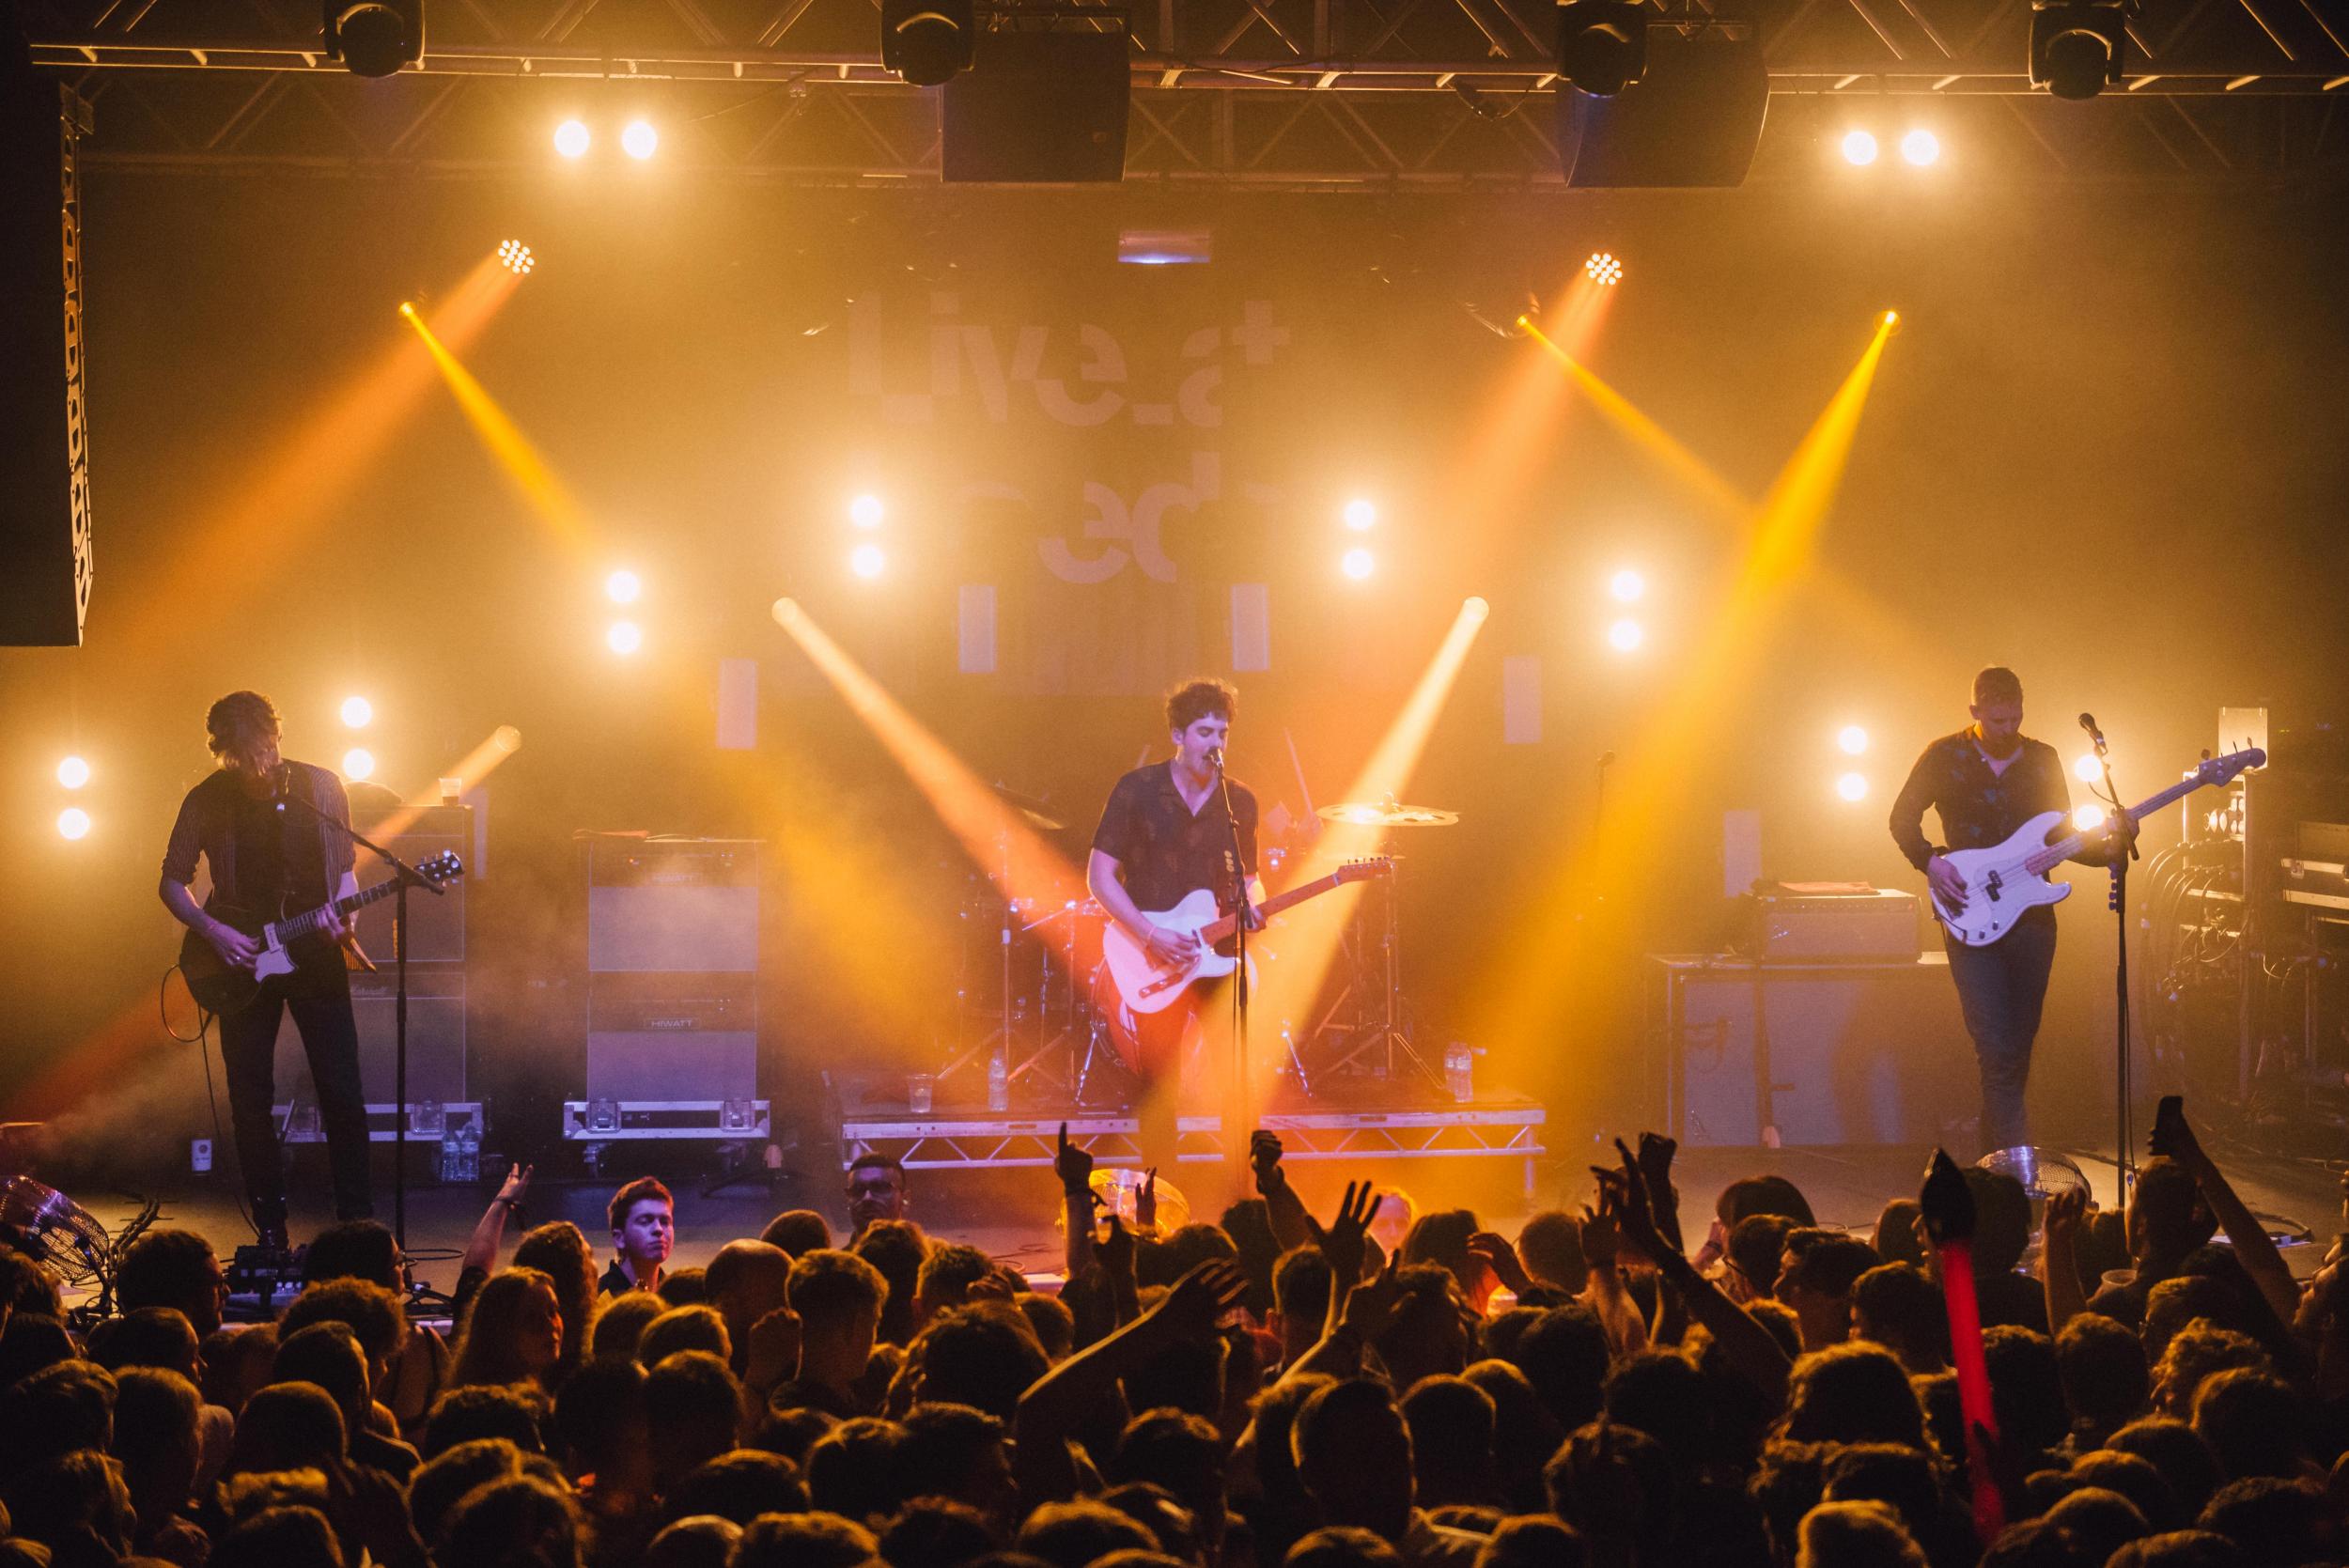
x: 1039, y: 108
x: 1693, y: 119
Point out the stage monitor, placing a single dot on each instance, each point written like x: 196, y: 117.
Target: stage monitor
x: 1694, y: 119
x: 1039, y: 108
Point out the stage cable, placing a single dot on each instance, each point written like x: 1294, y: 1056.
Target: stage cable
x: 201, y: 1042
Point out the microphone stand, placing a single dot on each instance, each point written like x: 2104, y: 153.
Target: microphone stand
x: 1235, y: 1097
x: 405, y: 876
x: 2117, y: 901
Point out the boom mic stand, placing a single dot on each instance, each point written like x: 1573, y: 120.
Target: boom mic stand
x: 1236, y: 1096
x: 2117, y: 901
x: 405, y: 876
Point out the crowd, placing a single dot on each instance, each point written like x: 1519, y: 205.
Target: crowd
x: 1274, y: 1389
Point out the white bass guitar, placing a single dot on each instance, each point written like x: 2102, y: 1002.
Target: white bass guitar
x: 1147, y: 985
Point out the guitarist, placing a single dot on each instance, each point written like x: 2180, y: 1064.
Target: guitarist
x: 264, y: 861
x: 1165, y: 833
x: 1986, y: 782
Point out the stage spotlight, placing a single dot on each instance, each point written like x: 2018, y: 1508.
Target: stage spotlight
x: 1357, y: 563
x: 358, y: 713
x: 1360, y: 514
x: 867, y: 511
x: 868, y: 561
x: 407, y: 309
x: 1603, y: 268
x: 927, y: 43
x: 1852, y: 738
x: 73, y: 822
x: 1602, y: 44
x: 640, y: 141
x: 623, y: 587
x: 1625, y: 635
x: 571, y: 138
x: 374, y: 38
x: 358, y: 763
x: 516, y: 258
x: 1476, y: 607
x: 624, y: 638
x: 1852, y: 787
x: 2088, y: 816
x: 1860, y: 147
x: 73, y: 772
x: 2077, y: 45
x: 2087, y: 769
x: 1920, y: 146
x: 1627, y: 585
x: 507, y: 738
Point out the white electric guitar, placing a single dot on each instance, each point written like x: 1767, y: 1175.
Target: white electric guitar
x: 2008, y: 881
x: 1147, y: 985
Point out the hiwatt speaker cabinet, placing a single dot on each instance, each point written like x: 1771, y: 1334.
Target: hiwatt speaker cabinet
x: 436, y: 922
x: 1808, y: 1054
x: 673, y: 968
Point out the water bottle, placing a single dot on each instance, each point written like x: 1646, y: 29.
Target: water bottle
x: 1459, y: 1072
x: 998, y: 1084
x: 469, y: 1152
x: 450, y: 1168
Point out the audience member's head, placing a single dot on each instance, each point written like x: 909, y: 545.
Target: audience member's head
x: 738, y: 1485
x: 173, y: 1269
x: 1565, y: 1356
x: 562, y: 1253
x: 877, y: 1191
x: 642, y: 1218
x: 2102, y: 1374
x: 798, y: 1232
x: 852, y: 1468
x: 1852, y: 1393
x: 146, y: 1337
x: 620, y: 1325
x: 694, y: 1410
x: 517, y: 1412
x: 895, y: 1247
x: 1353, y: 1456
x: 694, y: 1327
x: 353, y: 1250
x: 746, y: 1282
x: 1896, y: 1306
x: 288, y: 1426
x: 512, y: 1333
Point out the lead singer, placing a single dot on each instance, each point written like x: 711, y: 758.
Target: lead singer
x: 1164, y: 834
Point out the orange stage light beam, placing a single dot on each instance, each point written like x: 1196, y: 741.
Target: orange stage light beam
x: 546, y: 492
x: 1646, y: 433
x: 468, y: 770
x: 998, y: 840
x: 301, y: 482
x: 1654, y: 782
x: 1305, y: 941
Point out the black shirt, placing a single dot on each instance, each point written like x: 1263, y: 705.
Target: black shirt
x: 1979, y: 809
x: 1165, y: 850
x: 261, y: 858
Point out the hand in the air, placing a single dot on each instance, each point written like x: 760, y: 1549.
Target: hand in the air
x: 517, y: 1183
x: 1502, y: 1259
x: 1190, y: 1309
x: 1342, y: 1243
x: 1263, y: 1157
x: 1949, y: 886
x: 2065, y: 1210
x: 1073, y: 1164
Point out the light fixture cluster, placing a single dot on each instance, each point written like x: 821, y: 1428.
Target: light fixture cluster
x: 867, y: 557
x: 1919, y: 147
x: 1358, y: 563
x: 358, y: 762
x: 1625, y: 633
x: 1851, y: 785
x: 623, y: 636
x: 516, y: 258
x: 73, y: 774
x: 1603, y: 268
x: 638, y: 138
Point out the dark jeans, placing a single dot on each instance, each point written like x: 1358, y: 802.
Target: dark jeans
x: 318, y: 994
x: 2002, y: 988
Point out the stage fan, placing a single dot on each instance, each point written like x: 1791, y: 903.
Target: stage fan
x: 45, y: 1224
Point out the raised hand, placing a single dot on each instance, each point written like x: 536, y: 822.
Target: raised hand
x: 1264, y: 1155
x: 1635, y: 1215
x: 1073, y: 1164
x: 1190, y: 1311
x: 517, y: 1183
x: 1118, y: 1249
x: 2065, y: 1210
x: 2172, y: 1136
x: 1656, y: 1170
x: 1502, y: 1259
x: 1602, y: 1237
x: 1146, y: 1201
x: 1370, y: 1306
x: 1342, y: 1242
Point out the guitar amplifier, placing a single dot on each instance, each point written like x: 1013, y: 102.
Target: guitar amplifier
x: 1817, y: 923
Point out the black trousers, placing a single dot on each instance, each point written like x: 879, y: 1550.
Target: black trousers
x: 318, y: 994
x: 2002, y: 988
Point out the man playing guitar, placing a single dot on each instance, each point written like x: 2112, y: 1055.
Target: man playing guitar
x: 1164, y: 833
x: 1986, y: 780
x: 264, y: 859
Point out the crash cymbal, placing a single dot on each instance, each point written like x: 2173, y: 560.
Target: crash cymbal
x: 1036, y: 813
x: 1387, y: 814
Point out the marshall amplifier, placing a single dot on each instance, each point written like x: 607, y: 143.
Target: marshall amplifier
x: 1819, y: 923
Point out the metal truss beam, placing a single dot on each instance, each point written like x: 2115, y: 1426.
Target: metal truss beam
x: 1386, y: 93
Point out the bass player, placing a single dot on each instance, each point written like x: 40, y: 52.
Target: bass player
x: 1170, y: 829
x: 263, y: 858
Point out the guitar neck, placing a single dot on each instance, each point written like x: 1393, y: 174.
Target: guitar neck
x: 1273, y: 906
x: 310, y: 923
x: 2064, y: 848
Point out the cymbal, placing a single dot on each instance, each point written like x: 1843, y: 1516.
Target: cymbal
x: 1376, y: 813
x: 1037, y: 814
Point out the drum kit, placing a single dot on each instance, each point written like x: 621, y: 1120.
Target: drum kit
x: 1029, y: 996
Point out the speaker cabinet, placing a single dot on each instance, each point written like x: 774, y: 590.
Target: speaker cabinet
x: 46, y: 558
x: 672, y: 960
x: 436, y: 1040
x: 436, y: 922
x: 1810, y: 1054
x: 1693, y: 120
x: 1039, y: 108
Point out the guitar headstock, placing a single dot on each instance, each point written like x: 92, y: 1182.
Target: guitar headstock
x: 442, y: 867
x: 2219, y: 771
x: 1361, y: 870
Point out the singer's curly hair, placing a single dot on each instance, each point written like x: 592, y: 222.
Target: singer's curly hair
x: 239, y: 718
x: 1195, y: 699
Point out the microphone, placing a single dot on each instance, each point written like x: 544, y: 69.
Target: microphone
x: 1607, y: 759
x: 2087, y: 723
x: 1215, y: 758
x: 280, y: 781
